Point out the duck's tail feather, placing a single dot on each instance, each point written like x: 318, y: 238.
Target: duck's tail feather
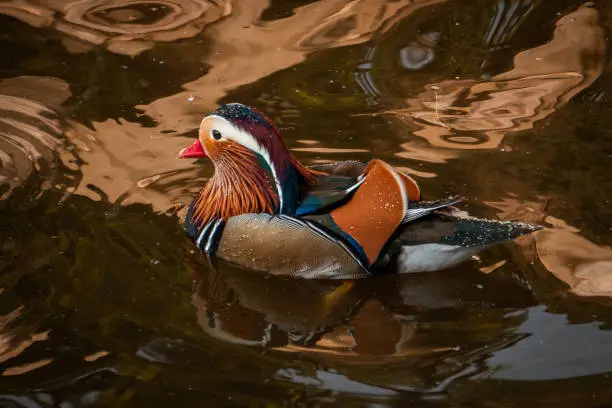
x: 447, y: 237
x: 450, y: 226
x: 419, y: 209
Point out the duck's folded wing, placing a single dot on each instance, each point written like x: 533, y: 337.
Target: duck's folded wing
x: 332, y: 188
x: 282, y: 245
x: 329, y: 192
x: 340, y: 182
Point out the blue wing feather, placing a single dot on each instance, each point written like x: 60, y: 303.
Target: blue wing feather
x: 327, y: 192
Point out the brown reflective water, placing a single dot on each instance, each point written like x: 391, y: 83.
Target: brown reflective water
x: 104, y: 302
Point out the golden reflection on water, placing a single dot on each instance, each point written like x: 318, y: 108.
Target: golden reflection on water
x: 128, y: 162
x: 115, y: 157
x: 122, y: 26
x: 15, y: 339
x: 32, y: 133
x: 573, y: 259
x: 244, y: 52
x: 469, y: 114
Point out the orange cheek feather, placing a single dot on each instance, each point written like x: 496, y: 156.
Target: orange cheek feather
x: 211, y: 147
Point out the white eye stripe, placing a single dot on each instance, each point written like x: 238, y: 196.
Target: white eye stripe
x: 231, y: 132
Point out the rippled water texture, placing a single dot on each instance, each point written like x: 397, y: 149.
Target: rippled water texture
x: 104, y: 302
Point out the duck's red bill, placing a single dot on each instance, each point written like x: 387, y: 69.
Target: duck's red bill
x: 195, y: 151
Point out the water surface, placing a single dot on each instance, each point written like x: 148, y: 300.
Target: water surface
x: 105, y: 302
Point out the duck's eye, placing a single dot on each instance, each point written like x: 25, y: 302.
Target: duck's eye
x: 216, y: 134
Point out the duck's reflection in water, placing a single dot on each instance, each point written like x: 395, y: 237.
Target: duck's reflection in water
x: 368, y: 321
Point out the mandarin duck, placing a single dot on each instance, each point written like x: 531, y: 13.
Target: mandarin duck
x: 264, y: 210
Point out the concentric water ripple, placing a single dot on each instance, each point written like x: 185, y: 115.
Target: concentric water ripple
x: 125, y: 27
x: 31, y: 134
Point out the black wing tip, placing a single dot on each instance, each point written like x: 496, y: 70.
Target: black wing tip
x: 520, y: 228
x: 473, y: 231
x: 500, y: 231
